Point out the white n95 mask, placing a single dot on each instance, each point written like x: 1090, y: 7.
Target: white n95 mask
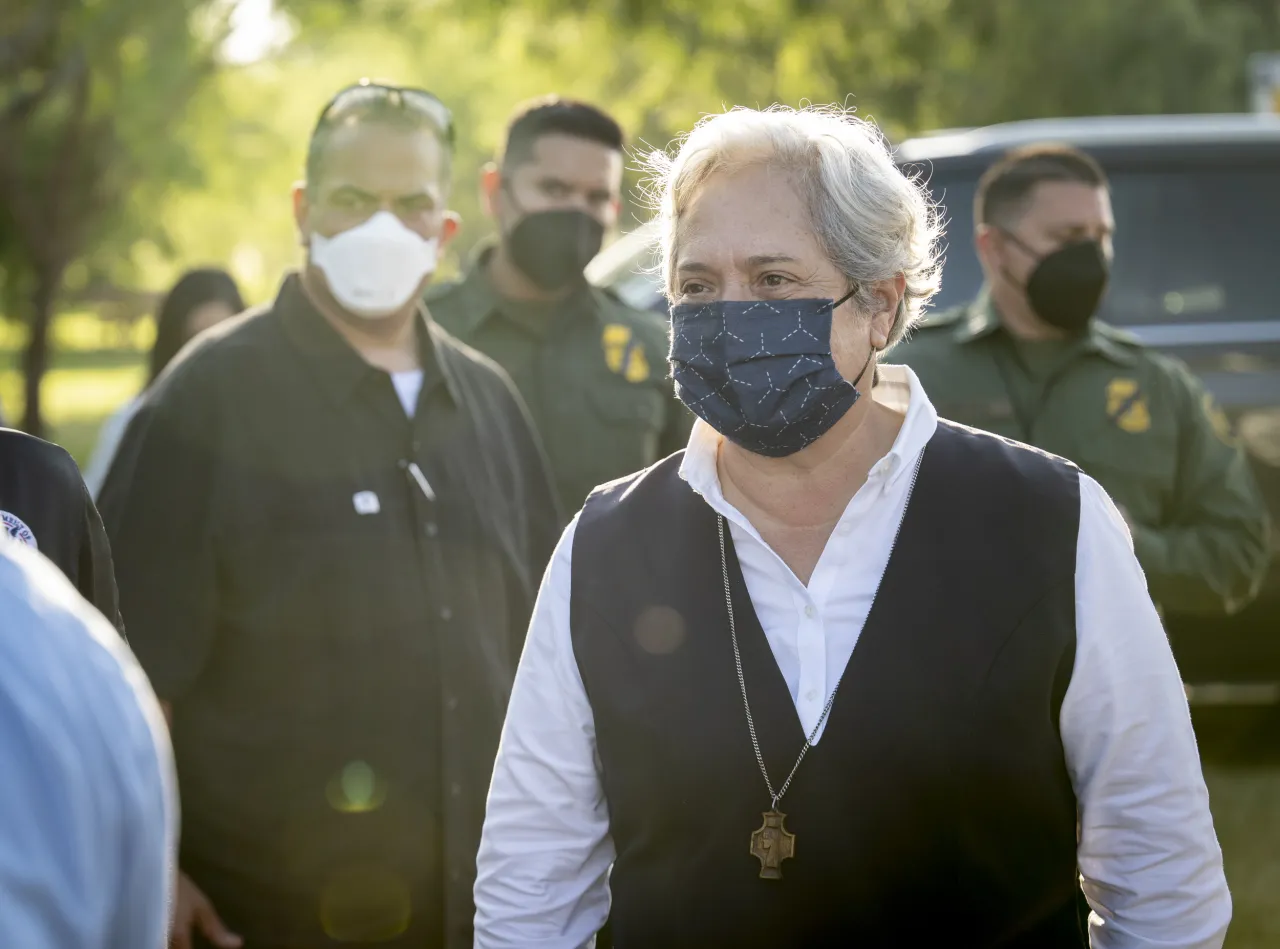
x: 373, y: 269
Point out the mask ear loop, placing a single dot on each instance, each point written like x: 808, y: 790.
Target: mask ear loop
x: 845, y: 299
x: 871, y: 355
x: 1021, y: 245
x: 1020, y: 242
x: 509, y: 189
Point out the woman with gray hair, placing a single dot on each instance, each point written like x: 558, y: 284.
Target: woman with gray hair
x: 840, y: 673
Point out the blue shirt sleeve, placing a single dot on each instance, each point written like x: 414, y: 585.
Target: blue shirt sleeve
x: 88, y: 813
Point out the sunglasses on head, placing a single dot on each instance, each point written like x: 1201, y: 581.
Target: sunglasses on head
x: 406, y: 97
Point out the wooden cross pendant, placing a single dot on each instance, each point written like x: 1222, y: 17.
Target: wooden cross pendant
x: 771, y: 844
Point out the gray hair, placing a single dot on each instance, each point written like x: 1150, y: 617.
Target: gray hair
x: 872, y: 221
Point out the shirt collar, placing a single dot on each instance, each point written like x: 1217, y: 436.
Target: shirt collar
x: 481, y: 301
x: 1115, y: 344
x: 981, y: 320
x: 899, y: 388
x: 342, y: 368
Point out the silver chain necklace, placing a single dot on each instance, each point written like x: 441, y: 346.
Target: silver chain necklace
x: 776, y: 796
x: 772, y: 843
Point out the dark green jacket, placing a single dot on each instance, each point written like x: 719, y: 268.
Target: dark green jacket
x: 592, y: 370
x: 1136, y: 420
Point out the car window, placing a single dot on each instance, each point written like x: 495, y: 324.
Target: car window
x: 1191, y: 244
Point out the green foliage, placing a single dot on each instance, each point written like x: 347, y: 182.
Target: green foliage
x: 88, y: 90
x: 196, y: 171
x: 1096, y: 57
x: 103, y: 81
x: 659, y: 66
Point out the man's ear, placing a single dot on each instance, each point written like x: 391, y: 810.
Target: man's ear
x: 452, y: 224
x: 490, y: 185
x: 301, y: 211
x: 615, y: 212
x: 985, y: 241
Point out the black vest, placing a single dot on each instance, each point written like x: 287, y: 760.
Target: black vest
x: 936, y: 809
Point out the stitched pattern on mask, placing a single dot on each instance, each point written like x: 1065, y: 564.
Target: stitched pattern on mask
x: 760, y: 372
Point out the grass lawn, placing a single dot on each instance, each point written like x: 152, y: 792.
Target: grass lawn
x: 1246, y: 812
x: 95, y: 369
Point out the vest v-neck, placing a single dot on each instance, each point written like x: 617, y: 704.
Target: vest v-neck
x: 760, y: 670
x: 940, y: 766
x: 751, y: 630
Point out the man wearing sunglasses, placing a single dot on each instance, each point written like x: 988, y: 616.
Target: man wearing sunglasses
x: 331, y: 520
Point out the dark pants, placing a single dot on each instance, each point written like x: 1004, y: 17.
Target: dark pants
x: 201, y: 943
x: 1082, y: 907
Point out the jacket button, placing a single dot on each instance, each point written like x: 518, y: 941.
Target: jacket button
x: 455, y: 789
x: 432, y: 529
x: 451, y: 703
x: 446, y: 614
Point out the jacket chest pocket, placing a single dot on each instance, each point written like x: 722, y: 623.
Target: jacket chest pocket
x: 634, y: 417
x: 322, y: 558
x: 617, y: 431
x: 1135, y: 459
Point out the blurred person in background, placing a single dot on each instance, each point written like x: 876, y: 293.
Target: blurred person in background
x: 1029, y: 360
x: 330, y: 520
x: 88, y: 814
x: 842, y: 673
x: 590, y: 367
x: 200, y: 299
x: 45, y: 504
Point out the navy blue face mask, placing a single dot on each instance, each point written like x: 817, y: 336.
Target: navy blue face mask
x: 760, y: 372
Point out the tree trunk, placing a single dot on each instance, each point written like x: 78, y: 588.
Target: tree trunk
x: 35, y: 360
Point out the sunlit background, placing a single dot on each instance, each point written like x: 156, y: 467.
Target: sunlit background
x: 198, y: 112
x: 143, y: 137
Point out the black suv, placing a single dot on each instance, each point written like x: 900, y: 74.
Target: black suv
x: 1197, y: 275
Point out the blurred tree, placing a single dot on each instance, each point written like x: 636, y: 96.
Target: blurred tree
x: 914, y: 63
x: 658, y: 66
x: 1093, y: 57
x: 88, y: 91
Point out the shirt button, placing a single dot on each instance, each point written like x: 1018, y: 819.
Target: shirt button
x: 812, y: 695
x: 451, y: 703
x: 844, y: 530
x: 446, y: 614
x: 432, y: 528
x: 810, y: 612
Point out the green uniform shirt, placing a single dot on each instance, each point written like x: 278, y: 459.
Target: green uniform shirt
x: 1137, y: 421
x: 592, y: 370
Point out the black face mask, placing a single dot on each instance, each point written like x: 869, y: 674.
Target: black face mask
x: 1067, y: 285
x: 552, y: 248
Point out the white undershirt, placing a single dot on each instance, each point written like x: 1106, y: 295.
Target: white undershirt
x: 408, y: 384
x: 1150, y: 859
x: 812, y: 630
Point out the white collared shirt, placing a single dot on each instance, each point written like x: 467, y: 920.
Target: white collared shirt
x: 1148, y: 853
